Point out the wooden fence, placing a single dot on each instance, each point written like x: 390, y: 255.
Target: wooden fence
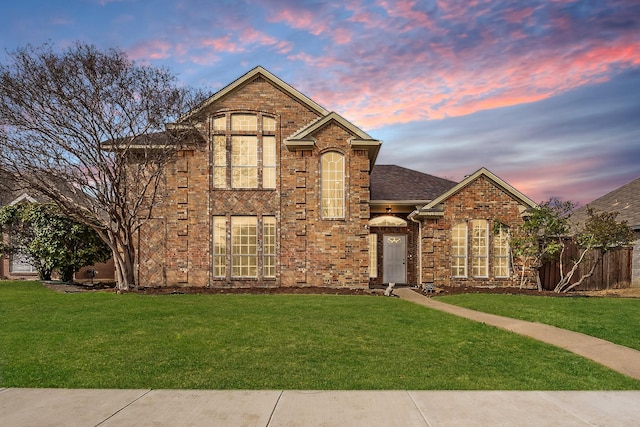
x: 613, y: 271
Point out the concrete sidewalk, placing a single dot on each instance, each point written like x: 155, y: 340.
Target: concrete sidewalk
x: 619, y: 358
x: 65, y: 407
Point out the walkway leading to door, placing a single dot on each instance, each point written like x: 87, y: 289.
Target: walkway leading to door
x: 619, y: 358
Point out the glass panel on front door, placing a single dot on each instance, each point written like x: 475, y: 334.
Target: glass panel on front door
x: 394, y: 258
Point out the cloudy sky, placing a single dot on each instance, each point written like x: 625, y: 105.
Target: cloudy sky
x: 544, y: 93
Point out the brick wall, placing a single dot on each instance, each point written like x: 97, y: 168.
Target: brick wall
x: 481, y: 199
x: 310, y: 251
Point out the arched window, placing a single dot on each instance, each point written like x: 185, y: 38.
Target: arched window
x: 332, y: 204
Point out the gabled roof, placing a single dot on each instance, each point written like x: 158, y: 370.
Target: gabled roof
x: 434, y: 205
x: 395, y: 183
x: 303, y: 139
x: 248, y: 77
x: 23, y: 198
x: 625, y: 200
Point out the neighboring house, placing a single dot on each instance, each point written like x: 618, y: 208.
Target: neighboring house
x: 15, y: 266
x: 626, y: 201
x: 277, y: 191
x: 18, y: 267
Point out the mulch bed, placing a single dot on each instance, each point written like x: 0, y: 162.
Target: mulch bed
x: 444, y: 290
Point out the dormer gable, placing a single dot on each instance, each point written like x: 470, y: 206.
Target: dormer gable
x: 304, y: 140
x: 435, y: 207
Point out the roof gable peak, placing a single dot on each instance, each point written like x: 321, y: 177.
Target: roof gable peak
x: 248, y: 77
x: 482, y: 172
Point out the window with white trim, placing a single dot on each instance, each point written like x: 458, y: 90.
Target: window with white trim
x: 480, y: 248
x: 373, y: 255
x: 247, y: 250
x: 20, y: 264
x: 332, y: 169
x: 269, y: 246
x: 244, y: 162
x: 219, y: 246
x: 501, y: 252
x: 459, y: 250
x: 244, y: 246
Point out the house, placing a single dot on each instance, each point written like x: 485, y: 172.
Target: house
x: 626, y: 201
x: 14, y: 266
x: 18, y: 267
x: 275, y: 190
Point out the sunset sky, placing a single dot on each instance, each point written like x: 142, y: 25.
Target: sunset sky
x: 544, y: 93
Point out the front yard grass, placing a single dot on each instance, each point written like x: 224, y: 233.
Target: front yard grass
x: 320, y: 342
x: 612, y: 319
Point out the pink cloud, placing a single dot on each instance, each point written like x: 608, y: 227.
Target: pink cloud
x: 300, y: 19
x: 221, y: 44
x: 150, y: 49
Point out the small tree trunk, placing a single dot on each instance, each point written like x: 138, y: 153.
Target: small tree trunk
x: 66, y: 274
x: 538, y: 281
x: 565, y: 280
x: 584, y: 276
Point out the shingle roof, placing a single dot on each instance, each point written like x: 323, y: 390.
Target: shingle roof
x: 625, y: 200
x: 391, y: 182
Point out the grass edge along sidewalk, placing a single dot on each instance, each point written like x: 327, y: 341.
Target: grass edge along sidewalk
x: 291, y: 342
x: 619, y: 358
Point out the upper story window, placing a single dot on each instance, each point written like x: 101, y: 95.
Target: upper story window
x: 244, y: 151
x: 332, y: 204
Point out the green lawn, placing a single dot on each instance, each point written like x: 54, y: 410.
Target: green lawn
x: 104, y: 340
x: 612, y: 319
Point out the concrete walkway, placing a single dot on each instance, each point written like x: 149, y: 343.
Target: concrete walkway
x: 64, y: 407
x: 619, y: 358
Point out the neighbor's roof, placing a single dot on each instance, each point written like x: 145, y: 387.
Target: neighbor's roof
x: 625, y: 200
x: 391, y: 182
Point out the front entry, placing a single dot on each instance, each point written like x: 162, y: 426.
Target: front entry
x: 394, y: 258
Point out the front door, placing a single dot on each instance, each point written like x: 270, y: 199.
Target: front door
x: 394, y: 258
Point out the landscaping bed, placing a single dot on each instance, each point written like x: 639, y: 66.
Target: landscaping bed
x: 306, y: 290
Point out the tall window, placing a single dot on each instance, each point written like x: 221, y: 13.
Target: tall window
x: 269, y: 246
x: 244, y: 246
x: 269, y: 161
x: 239, y: 142
x: 332, y: 185
x: 480, y: 248
x: 459, y: 250
x: 373, y: 255
x: 219, y: 246
x: 244, y: 162
x: 501, y: 252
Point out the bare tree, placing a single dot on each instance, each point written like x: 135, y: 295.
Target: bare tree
x: 86, y: 129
